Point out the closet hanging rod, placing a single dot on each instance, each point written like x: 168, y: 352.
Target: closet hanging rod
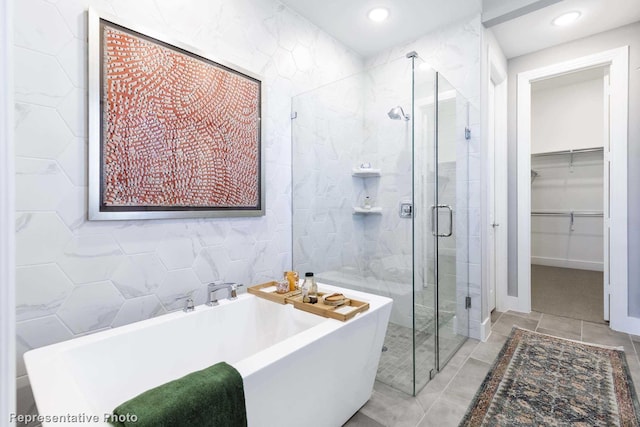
x: 579, y: 150
x: 567, y: 213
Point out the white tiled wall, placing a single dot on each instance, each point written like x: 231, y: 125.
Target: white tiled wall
x: 328, y: 137
x: 77, y: 277
x: 455, y: 52
x: 365, y: 243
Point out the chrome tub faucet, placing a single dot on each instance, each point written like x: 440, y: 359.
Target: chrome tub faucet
x: 189, y: 305
x: 212, y: 288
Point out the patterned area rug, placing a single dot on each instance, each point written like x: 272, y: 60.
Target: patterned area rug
x: 542, y: 380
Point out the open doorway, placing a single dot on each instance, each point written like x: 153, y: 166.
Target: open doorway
x: 569, y: 194
x: 615, y: 213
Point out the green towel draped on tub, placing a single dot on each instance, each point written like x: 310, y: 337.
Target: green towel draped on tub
x: 211, y: 397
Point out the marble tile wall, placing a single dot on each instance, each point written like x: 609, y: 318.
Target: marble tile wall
x: 455, y: 52
x: 327, y: 143
x: 76, y: 277
x: 337, y: 128
x: 388, y: 239
x: 379, y: 246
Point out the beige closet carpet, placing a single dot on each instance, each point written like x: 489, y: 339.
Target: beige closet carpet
x: 567, y: 292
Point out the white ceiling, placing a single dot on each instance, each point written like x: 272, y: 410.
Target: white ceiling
x: 347, y: 21
x: 534, y: 31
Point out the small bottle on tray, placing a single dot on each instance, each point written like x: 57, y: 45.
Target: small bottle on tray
x: 309, y: 289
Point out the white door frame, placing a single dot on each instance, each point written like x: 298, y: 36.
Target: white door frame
x: 7, y: 221
x: 606, y: 107
x: 497, y: 179
x: 617, y: 60
x: 491, y: 196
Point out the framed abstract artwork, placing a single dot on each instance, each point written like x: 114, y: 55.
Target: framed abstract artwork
x: 173, y: 133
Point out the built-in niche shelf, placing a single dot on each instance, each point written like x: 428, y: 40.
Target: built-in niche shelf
x: 365, y: 172
x: 376, y: 210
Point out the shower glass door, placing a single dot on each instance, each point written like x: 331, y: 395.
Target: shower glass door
x: 379, y: 205
x: 424, y: 176
x: 440, y: 191
x: 450, y: 220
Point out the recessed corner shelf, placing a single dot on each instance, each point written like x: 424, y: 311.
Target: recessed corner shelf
x: 365, y: 172
x: 371, y: 211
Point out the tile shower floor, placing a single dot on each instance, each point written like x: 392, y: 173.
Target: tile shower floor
x: 396, y: 361
x: 444, y: 401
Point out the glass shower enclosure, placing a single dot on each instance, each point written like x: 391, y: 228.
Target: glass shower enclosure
x: 380, y: 190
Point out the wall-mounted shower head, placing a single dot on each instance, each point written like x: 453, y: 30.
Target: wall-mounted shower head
x: 397, y: 113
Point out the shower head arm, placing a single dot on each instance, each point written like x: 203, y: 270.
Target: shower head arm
x: 397, y: 113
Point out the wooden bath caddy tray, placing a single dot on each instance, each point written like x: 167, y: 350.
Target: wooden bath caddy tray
x: 343, y: 312
x: 268, y: 291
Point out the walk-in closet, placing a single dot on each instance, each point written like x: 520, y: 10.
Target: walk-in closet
x: 569, y: 192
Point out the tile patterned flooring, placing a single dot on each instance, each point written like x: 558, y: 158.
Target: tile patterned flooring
x: 396, y: 363
x: 444, y: 401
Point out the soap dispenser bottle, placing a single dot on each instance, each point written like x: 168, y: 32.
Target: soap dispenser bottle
x: 309, y: 288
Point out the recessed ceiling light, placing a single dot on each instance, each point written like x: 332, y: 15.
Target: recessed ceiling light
x: 378, y: 14
x: 566, y: 18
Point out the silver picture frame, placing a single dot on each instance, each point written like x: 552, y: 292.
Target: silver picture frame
x: 97, y: 209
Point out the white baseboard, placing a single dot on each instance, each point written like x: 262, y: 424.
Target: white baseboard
x: 485, y: 329
x: 509, y: 303
x: 568, y: 263
x: 627, y: 324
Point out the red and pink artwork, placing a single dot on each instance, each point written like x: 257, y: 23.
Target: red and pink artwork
x: 178, y: 130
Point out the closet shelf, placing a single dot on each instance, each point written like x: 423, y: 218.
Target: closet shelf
x: 567, y: 213
x: 577, y: 151
x: 570, y: 214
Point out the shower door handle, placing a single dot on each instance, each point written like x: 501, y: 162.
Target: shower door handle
x: 450, y: 220
x: 434, y: 211
x: 433, y: 223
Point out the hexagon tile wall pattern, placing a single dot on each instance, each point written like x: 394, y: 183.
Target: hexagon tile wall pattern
x: 77, y: 277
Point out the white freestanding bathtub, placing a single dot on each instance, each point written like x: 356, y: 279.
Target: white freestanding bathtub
x: 298, y: 368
